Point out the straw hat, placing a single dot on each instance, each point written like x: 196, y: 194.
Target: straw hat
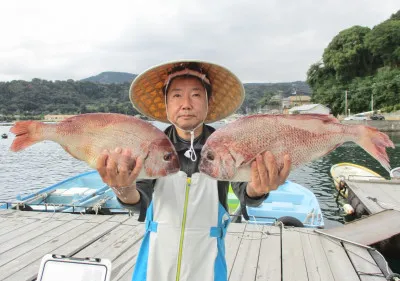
x: 146, y: 92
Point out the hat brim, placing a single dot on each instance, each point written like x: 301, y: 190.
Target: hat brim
x: 146, y: 91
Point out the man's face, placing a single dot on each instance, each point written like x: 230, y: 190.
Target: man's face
x: 186, y: 102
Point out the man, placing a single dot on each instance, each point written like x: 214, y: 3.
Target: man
x: 186, y: 213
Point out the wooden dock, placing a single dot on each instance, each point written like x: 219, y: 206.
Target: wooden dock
x: 376, y: 195
x: 253, y: 252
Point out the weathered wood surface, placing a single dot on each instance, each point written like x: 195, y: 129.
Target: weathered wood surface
x: 253, y: 252
x: 371, y: 229
x: 377, y: 195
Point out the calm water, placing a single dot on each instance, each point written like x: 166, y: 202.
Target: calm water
x: 47, y: 163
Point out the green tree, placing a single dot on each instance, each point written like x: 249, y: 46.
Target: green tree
x: 384, y: 42
x: 348, y: 55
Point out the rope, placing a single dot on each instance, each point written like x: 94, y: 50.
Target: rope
x: 97, y: 207
x: 380, y: 204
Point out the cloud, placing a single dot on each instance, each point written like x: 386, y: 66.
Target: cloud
x: 261, y: 41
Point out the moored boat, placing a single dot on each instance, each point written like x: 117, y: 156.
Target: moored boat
x: 395, y: 173
x: 4, y: 136
x: 292, y: 204
x: 84, y: 193
x: 344, y: 171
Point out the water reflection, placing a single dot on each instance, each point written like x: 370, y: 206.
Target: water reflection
x: 47, y: 163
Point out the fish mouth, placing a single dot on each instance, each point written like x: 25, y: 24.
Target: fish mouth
x: 207, y: 168
x: 175, y: 166
x: 173, y: 170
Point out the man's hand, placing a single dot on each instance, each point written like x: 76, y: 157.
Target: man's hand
x: 265, y: 175
x: 119, y: 171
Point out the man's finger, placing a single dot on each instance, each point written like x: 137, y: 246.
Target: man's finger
x: 262, y: 171
x: 112, y: 171
x: 272, y: 170
x: 287, y: 163
x: 101, y: 165
x: 123, y: 174
x: 136, y: 170
x: 255, y: 177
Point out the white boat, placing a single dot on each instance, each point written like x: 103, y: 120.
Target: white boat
x: 344, y: 171
x: 395, y: 173
x: 83, y: 193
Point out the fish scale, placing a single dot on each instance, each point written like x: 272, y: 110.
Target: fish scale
x: 229, y: 151
x: 86, y: 136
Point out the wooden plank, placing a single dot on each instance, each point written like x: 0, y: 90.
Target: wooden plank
x: 4, y: 212
x: 369, y: 230
x: 27, y: 232
x: 363, y: 190
x: 236, y: 227
x: 33, y: 257
x: 246, y: 262
x: 26, y: 266
x: 232, y: 242
x: 269, y: 262
x: 339, y: 263
x: 26, y: 246
x: 119, y: 218
x: 364, y: 263
x: 67, y: 216
x: 109, y: 246
x: 17, y: 213
x: 19, y: 244
x: 123, y: 264
x: 293, y: 260
x: 93, y: 218
x: 133, y: 220
x: 316, y: 262
x: 15, y: 223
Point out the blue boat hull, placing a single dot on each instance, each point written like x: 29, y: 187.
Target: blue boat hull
x: 79, y: 194
x: 86, y: 193
x: 290, y: 203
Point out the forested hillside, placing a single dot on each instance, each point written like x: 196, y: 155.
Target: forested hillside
x: 364, y: 62
x: 33, y: 99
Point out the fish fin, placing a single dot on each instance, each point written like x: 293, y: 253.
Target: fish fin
x: 27, y: 133
x: 237, y: 158
x: 323, y: 117
x: 375, y: 142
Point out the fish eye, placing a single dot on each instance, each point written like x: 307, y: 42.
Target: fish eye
x: 168, y: 156
x: 210, y: 156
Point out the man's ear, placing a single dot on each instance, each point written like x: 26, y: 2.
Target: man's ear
x: 211, y: 100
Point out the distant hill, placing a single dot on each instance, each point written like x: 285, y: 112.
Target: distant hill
x: 110, y: 77
x: 107, y: 92
x: 285, y: 88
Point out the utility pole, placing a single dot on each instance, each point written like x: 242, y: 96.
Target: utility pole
x: 345, y: 112
x: 372, y: 103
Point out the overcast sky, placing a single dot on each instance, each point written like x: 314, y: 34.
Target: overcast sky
x: 260, y: 41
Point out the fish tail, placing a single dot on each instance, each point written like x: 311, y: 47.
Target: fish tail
x: 27, y: 133
x: 375, y: 142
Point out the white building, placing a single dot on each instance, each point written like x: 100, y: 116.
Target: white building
x: 310, y: 109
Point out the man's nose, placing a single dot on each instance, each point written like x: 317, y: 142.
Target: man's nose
x: 187, y: 102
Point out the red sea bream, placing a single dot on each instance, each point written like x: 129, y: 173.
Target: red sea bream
x: 229, y: 151
x: 86, y: 136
